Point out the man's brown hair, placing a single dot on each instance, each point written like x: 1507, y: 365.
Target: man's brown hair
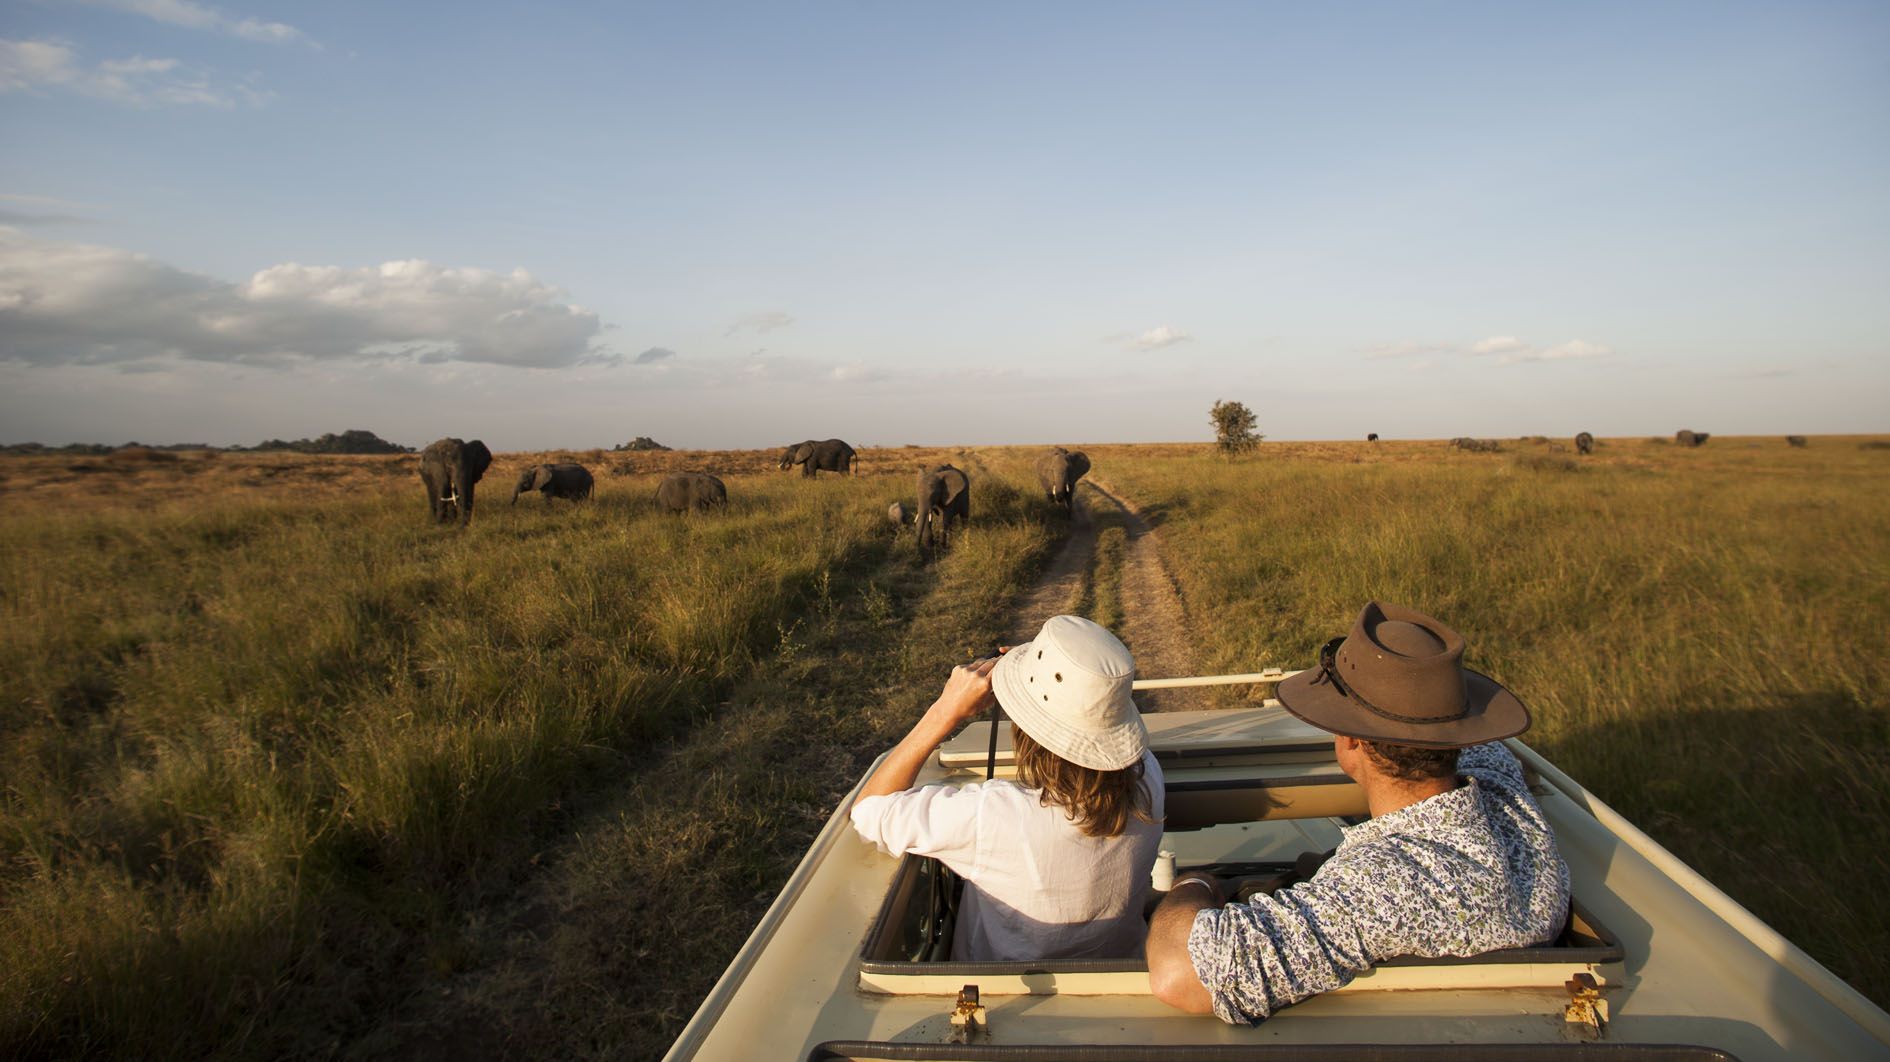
x: 1099, y: 802
x: 1410, y: 763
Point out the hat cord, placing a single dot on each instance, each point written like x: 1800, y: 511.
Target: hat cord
x: 1329, y: 672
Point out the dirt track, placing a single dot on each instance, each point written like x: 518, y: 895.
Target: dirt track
x: 1154, y: 622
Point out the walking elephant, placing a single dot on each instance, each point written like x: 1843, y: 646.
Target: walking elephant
x: 685, y: 491
x: 1058, y: 472
x: 827, y: 455
x: 1584, y: 443
x: 945, y: 497
x: 555, y: 481
x: 449, y: 468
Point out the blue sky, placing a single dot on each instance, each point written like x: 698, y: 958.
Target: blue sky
x: 730, y: 225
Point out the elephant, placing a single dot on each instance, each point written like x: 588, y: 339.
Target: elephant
x: 1476, y: 446
x: 1685, y: 437
x: 1371, y: 437
x: 944, y: 496
x: 897, y: 515
x: 449, y: 468
x: 1058, y: 472
x: 829, y: 455
x: 1584, y: 443
x: 1796, y: 441
x: 555, y: 481
x: 683, y: 491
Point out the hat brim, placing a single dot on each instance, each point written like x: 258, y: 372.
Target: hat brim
x: 1492, y: 713
x: 1109, y: 749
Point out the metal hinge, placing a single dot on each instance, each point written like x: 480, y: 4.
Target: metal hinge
x: 1586, y: 1013
x: 968, y: 1019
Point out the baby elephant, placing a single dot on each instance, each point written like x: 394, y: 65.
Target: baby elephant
x: 1584, y: 443
x: 555, y: 481
x: 684, y: 491
x: 897, y: 515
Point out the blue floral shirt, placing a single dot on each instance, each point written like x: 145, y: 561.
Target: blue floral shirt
x: 1461, y: 873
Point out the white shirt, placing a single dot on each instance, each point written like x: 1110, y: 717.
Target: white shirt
x: 1037, y: 887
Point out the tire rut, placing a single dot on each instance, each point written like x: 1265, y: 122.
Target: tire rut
x: 1153, y: 619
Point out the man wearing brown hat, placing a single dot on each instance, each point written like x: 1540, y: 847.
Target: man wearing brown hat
x: 1456, y: 860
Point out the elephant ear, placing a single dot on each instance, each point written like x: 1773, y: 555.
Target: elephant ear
x: 1080, y: 462
x: 804, y: 452
x: 477, y: 458
x: 542, y: 477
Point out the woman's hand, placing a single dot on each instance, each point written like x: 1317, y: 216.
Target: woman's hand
x: 967, y: 695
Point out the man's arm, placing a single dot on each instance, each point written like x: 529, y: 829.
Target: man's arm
x: 1171, y: 974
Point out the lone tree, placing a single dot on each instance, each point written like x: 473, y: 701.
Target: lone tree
x: 1233, y: 428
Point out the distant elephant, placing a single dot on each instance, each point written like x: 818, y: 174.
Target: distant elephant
x: 1796, y: 440
x: 683, y: 491
x: 1372, y: 437
x: 1058, y: 471
x: 1476, y: 446
x: 449, y: 468
x: 829, y: 455
x: 944, y: 496
x: 1685, y: 437
x: 555, y: 481
x: 1584, y: 443
x: 897, y: 515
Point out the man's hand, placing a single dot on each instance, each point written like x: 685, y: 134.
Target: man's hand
x: 1171, y: 973
x: 967, y: 693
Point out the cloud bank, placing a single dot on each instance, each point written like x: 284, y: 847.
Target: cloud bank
x: 36, y: 66
x: 80, y: 303
x: 1507, y: 350
x: 191, y: 15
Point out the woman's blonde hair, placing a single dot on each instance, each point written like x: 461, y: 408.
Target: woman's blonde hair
x: 1099, y: 802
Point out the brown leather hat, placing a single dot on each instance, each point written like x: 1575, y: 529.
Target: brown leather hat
x: 1399, y: 678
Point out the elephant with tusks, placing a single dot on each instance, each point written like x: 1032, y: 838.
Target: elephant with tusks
x: 449, y: 468
x: 827, y: 455
x: 1058, y: 472
x: 563, y: 480
x: 690, y: 492
x: 944, y: 499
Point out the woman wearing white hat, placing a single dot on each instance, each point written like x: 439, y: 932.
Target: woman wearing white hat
x: 1056, y: 863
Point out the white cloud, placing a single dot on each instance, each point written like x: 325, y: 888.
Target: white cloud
x: 71, y: 302
x: 1574, y: 348
x: 33, y: 66
x: 1156, y: 338
x: 197, y: 16
x: 856, y: 372
x: 653, y: 355
x: 1498, y: 345
x: 761, y: 322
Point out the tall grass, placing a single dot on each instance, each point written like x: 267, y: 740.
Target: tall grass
x: 1699, y: 634
x: 266, y: 760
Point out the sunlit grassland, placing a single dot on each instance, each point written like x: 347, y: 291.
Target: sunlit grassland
x: 1700, y: 634
x: 267, y: 756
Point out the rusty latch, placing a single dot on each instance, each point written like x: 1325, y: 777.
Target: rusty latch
x: 1587, y: 1012
x: 968, y: 1019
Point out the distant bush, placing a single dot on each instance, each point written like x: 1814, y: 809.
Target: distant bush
x: 1233, y: 428
x: 352, y: 441
x: 641, y: 442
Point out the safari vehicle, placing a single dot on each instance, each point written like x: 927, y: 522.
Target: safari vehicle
x: 1654, y: 962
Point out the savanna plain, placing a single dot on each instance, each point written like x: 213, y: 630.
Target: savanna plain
x: 286, y: 770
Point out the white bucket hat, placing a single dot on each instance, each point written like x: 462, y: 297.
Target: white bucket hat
x: 1069, y: 689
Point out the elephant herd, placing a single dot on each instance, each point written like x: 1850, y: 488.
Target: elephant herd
x: 451, y: 468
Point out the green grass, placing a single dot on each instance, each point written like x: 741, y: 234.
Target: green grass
x: 266, y: 761
x: 1698, y: 634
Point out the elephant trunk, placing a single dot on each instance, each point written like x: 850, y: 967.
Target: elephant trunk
x: 463, y: 483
